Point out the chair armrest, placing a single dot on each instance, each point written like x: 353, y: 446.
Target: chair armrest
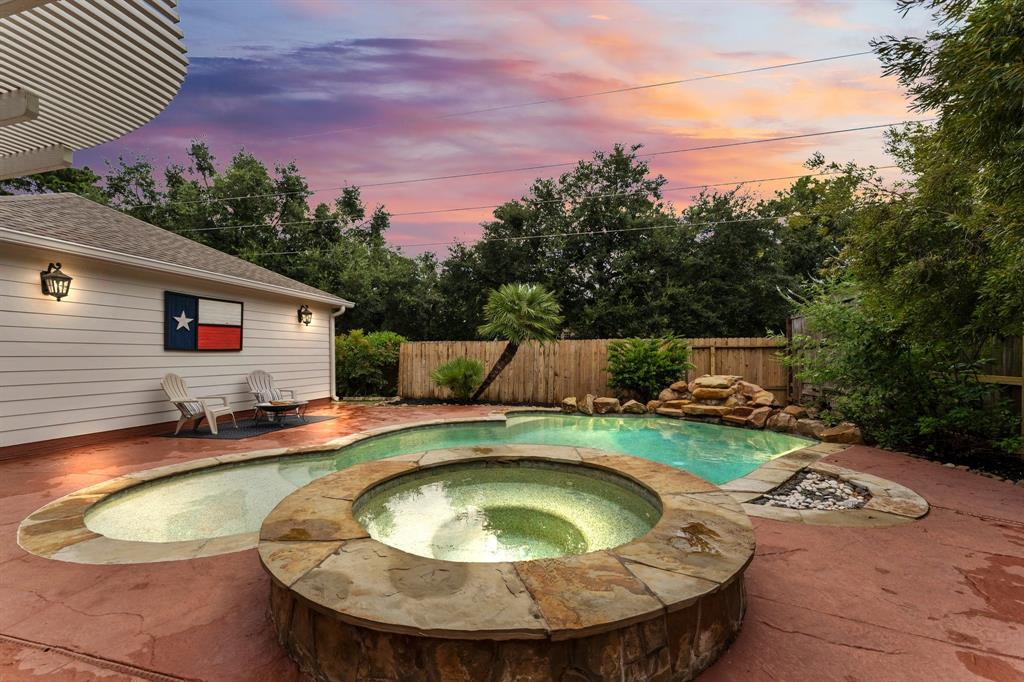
x: 289, y: 391
x: 204, y: 399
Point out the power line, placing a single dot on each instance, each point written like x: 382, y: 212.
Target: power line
x: 569, y: 98
x: 677, y: 223
x: 545, y: 166
x: 663, y: 189
x: 310, y: 221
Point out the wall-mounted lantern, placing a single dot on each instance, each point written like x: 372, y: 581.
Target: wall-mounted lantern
x: 305, y: 315
x: 55, y: 283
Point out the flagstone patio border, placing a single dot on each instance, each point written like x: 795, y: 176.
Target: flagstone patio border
x: 58, y: 530
x: 665, y: 605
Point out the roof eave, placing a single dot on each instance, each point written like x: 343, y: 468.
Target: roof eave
x: 27, y: 239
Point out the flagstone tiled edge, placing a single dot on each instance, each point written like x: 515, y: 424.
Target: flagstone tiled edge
x: 663, y: 606
x: 891, y: 504
x: 58, y: 531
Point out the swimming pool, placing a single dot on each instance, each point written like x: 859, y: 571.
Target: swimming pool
x: 234, y: 499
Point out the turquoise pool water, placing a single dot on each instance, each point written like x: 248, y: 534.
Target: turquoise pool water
x: 235, y: 499
x: 485, y: 511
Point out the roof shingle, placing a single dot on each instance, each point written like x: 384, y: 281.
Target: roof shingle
x: 76, y: 220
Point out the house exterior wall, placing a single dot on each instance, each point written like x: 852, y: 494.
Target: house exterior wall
x: 94, y: 360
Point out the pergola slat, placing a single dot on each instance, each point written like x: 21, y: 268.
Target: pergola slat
x: 99, y: 69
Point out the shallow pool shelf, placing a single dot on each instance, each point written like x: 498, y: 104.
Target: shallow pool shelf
x: 661, y: 606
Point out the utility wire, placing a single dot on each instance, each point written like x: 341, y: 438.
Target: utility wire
x: 545, y: 166
x: 659, y: 226
x: 310, y: 221
x: 600, y: 93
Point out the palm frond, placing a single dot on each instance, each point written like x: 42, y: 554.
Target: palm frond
x: 520, y: 313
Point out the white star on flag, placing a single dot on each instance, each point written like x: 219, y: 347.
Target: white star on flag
x: 182, y: 321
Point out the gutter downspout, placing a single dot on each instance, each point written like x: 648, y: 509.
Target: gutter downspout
x: 334, y: 375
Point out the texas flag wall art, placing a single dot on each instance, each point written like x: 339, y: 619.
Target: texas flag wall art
x: 196, y: 323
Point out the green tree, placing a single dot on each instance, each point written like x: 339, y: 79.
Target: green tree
x: 264, y: 216
x: 932, y: 269
x: 569, y: 234
x: 622, y: 262
x: 81, y: 181
x: 518, y: 313
x: 946, y: 257
x: 901, y: 392
x: 619, y: 259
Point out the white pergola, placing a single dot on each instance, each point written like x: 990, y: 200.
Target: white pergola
x: 78, y: 73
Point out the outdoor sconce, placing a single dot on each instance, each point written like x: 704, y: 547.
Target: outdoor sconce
x: 305, y: 315
x: 55, y: 283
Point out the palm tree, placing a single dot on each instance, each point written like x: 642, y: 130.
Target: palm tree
x: 518, y: 313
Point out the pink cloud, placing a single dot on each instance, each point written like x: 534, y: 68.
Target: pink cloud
x: 388, y: 101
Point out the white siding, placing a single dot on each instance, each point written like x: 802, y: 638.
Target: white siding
x: 93, y: 361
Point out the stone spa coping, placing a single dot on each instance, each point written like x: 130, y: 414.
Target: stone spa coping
x: 312, y: 544
x: 666, y: 604
x: 58, y: 530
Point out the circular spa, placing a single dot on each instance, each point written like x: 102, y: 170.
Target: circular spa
x: 519, y: 562
x: 488, y: 511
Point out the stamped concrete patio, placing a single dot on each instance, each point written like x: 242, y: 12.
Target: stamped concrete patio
x: 938, y: 599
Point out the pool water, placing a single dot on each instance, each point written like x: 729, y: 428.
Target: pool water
x: 235, y: 499
x: 506, y: 512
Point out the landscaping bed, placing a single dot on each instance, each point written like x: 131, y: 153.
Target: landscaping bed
x: 813, y: 490
x: 990, y: 463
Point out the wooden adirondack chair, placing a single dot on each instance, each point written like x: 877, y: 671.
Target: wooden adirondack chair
x: 195, y: 408
x: 263, y: 389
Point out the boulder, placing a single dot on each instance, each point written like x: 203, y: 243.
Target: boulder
x: 569, y: 404
x: 697, y: 410
x: 763, y: 398
x: 748, y: 389
x: 587, y: 405
x: 715, y: 381
x: 810, y: 427
x: 669, y: 394
x: 666, y: 412
x: 653, y: 405
x: 781, y: 421
x: 734, y: 401
x: 795, y: 411
x: 846, y: 433
x: 607, y: 406
x: 758, y: 417
x: 738, y: 416
x: 701, y: 393
x: 680, y: 387
x: 675, y: 404
x: 634, y: 407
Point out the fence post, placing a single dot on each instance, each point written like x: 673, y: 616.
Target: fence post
x: 711, y: 360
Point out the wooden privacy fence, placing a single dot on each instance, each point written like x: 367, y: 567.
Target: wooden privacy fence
x: 1005, y: 369
x: 546, y: 374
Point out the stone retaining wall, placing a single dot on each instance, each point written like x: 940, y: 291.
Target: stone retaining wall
x: 727, y: 399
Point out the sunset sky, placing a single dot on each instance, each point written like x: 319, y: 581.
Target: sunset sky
x: 353, y: 92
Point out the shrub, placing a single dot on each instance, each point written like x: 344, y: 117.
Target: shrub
x: 641, y: 368
x: 900, y: 392
x: 460, y: 376
x: 367, y: 364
